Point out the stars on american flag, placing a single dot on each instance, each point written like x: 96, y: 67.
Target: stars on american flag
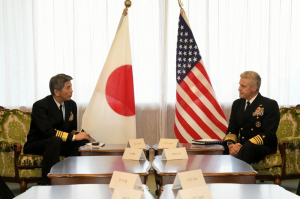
x: 187, y: 51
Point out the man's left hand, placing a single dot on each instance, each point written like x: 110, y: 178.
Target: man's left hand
x: 82, y: 136
x: 234, y: 149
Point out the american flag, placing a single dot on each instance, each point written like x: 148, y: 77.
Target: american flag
x: 198, y: 115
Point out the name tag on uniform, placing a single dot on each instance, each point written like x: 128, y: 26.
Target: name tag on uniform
x: 125, y: 193
x: 168, y: 143
x: 174, y: 154
x: 136, y: 143
x: 133, y: 154
x: 189, y: 179
x: 127, y: 180
x: 202, y: 192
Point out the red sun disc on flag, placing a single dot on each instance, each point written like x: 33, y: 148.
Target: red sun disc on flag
x: 119, y: 91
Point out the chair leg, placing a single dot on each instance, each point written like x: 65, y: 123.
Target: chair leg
x: 277, y: 181
x: 23, y: 186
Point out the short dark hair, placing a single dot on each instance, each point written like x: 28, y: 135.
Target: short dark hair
x: 58, y: 82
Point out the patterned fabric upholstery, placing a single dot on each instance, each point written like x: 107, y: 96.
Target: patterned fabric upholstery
x: 288, y: 132
x: 27, y: 173
x: 14, y: 126
x: 6, y: 145
x: 292, y: 142
x: 26, y: 161
x: 292, y: 161
x: 269, y: 161
x: 271, y: 171
x: 7, y: 167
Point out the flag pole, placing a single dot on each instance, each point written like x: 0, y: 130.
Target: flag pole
x: 182, y: 12
x: 127, y: 4
x: 180, y: 4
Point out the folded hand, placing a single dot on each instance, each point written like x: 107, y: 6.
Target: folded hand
x: 234, y: 149
x: 82, y: 136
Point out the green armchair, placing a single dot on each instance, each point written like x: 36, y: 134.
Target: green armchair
x: 285, y: 164
x: 14, y: 165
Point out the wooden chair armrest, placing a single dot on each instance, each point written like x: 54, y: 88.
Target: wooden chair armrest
x: 282, y: 147
x: 17, y: 151
x: 18, y: 147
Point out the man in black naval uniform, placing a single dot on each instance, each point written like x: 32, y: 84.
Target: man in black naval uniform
x: 255, y: 119
x: 53, y: 126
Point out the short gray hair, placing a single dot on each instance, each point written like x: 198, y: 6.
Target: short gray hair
x: 58, y: 82
x: 254, y: 78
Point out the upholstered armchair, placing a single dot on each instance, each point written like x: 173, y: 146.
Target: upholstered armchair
x: 14, y: 126
x: 14, y: 165
x: 285, y: 164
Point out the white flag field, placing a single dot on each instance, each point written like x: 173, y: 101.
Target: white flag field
x: 110, y: 114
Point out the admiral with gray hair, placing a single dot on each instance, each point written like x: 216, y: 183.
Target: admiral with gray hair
x: 254, y: 119
x: 53, y: 128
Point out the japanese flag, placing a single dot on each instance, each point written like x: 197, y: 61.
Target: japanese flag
x: 110, y: 115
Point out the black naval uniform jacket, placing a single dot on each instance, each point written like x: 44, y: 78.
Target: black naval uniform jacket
x: 47, y: 120
x: 258, y: 124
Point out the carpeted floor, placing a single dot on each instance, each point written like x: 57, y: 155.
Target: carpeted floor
x: 290, y: 185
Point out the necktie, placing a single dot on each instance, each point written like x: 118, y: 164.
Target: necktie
x: 248, y: 105
x: 60, y: 107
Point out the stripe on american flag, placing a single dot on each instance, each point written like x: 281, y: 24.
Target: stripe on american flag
x: 191, y: 108
x: 197, y: 113
x: 205, y: 98
x: 188, y: 123
x: 180, y: 132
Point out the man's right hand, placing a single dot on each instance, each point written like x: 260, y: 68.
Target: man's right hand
x: 82, y: 136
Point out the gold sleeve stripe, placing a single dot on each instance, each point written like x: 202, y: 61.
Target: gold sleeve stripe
x: 62, y: 135
x: 261, y: 140
x: 257, y: 140
x: 74, y: 132
x: 58, y: 133
x: 253, y: 141
x: 231, y: 137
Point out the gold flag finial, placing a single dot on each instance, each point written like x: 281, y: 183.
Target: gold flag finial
x: 180, y: 4
x: 127, y: 4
